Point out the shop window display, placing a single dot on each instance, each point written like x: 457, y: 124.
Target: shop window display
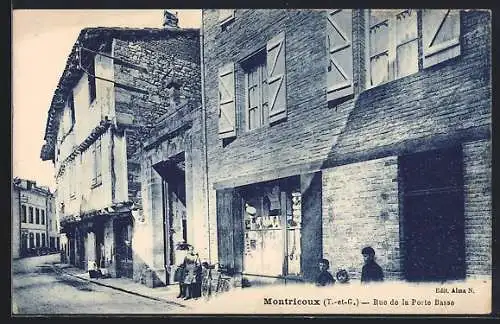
x: 272, y: 218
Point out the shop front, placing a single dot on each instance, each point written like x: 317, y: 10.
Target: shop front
x: 270, y: 232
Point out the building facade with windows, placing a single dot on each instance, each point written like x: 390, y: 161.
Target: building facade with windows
x: 331, y: 130
x: 32, y: 212
x: 116, y: 84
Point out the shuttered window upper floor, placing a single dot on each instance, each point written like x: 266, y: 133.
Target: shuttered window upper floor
x: 385, y: 44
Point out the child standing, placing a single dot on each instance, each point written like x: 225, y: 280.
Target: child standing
x: 324, y: 278
x: 371, y: 270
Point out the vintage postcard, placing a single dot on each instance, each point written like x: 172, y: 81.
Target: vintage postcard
x: 252, y: 161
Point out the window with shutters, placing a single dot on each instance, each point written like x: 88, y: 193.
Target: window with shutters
x: 393, y: 39
x: 265, y: 89
x: 226, y: 16
x: 339, y: 53
x: 97, y: 163
x: 256, y: 92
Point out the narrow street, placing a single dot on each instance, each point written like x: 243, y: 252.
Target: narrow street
x: 38, y: 289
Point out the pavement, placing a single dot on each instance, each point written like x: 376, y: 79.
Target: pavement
x: 166, y: 294
x: 40, y: 287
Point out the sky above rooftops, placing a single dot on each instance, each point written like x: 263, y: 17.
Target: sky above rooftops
x: 41, y: 43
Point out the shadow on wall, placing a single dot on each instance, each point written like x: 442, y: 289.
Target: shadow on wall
x: 145, y: 275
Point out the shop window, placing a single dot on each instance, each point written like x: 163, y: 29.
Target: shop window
x: 272, y: 230
x: 37, y: 215
x: 23, y: 214
x: 31, y: 215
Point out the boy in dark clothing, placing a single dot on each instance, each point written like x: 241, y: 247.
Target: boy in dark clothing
x: 371, y: 270
x: 324, y: 278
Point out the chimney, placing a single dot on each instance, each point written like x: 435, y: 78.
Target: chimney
x: 170, y: 19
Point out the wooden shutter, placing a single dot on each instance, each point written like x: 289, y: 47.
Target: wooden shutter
x: 227, y: 107
x: 225, y: 227
x: 225, y: 15
x: 230, y: 229
x: 276, y: 77
x: 441, y: 35
x: 339, y: 52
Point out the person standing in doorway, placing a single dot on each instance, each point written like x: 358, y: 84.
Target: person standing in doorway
x: 180, y: 254
x: 371, y: 271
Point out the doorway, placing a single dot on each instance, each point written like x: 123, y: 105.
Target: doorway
x: 24, y: 243
x: 123, y: 238
x: 173, y: 174
x: 433, y: 215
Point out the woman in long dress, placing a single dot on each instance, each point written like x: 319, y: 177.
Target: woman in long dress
x: 192, y: 268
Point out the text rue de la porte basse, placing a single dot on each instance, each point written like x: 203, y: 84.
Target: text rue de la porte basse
x: 355, y: 302
x: 379, y: 302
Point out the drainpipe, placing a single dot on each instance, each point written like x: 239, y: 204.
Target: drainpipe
x: 205, y: 144
x: 20, y: 225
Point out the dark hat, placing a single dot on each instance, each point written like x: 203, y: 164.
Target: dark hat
x: 182, y: 246
x: 368, y: 250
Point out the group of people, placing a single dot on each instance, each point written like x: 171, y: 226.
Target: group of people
x: 189, y: 272
x: 371, y: 271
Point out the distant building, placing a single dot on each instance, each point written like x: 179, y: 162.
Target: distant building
x: 118, y: 82
x: 35, y: 224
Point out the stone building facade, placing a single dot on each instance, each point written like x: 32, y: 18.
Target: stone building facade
x: 34, y: 221
x: 117, y: 83
x: 331, y: 130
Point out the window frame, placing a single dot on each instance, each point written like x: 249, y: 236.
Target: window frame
x: 96, y: 174
x: 42, y: 216
x: 24, y: 214
x: 31, y: 215
x: 256, y: 62
x: 37, y: 216
x: 392, y: 46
